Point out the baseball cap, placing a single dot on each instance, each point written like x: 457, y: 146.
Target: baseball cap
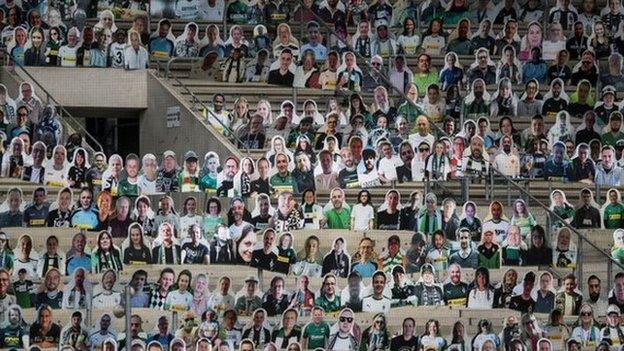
x: 169, y: 153
x: 613, y: 309
x: 190, y: 155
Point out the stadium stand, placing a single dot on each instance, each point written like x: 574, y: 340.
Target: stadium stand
x: 312, y: 175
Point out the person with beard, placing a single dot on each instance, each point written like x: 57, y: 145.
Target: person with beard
x: 608, y: 173
x: 265, y: 257
x: 404, y: 172
x: 455, y: 291
x: 555, y: 100
x: 578, y: 43
x: 482, y: 68
x: 225, y: 179
x: 476, y: 103
x: 303, y: 175
x: 598, y: 305
x: 506, y: 161
x: 466, y: 256
x: 166, y: 178
x: 351, y: 295
x: 474, y: 163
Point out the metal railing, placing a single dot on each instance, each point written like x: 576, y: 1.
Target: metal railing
x: 69, y: 122
x: 229, y: 133
x: 578, y: 270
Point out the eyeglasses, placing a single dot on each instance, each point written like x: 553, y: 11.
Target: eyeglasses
x: 346, y: 319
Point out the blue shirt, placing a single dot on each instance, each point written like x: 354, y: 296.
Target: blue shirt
x: 161, y: 47
x: 534, y: 70
x: 320, y: 51
x: 84, y: 219
x: 451, y: 76
x: 366, y: 270
x: 75, y: 262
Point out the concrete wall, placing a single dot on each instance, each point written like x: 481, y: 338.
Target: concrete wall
x: 192, y: 134
x: 92, y: 87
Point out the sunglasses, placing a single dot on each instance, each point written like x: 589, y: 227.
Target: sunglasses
x: 423, y: 150
x: 346, y: 319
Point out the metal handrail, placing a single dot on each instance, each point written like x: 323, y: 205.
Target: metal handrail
x: 197, y: 100
x: 64, y: 115
x: 582, y: 237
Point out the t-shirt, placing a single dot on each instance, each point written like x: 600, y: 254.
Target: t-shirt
x: 53, y: 335
x: 194, y: 254
x: 22, y: 290
x: 116, y: 54
x: 399, y: 343
x: 36, y: 217
x: 57, y: 219
x: 11, y: 337
x: 316, y: 334
x: 177, y: 301
x: 613, y: 216
x: 371, y: 304
x: 498, y: 228
x: 362, y: 215
x: 386, y: 221
x: 338, y: 220
x: 69, y: 56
